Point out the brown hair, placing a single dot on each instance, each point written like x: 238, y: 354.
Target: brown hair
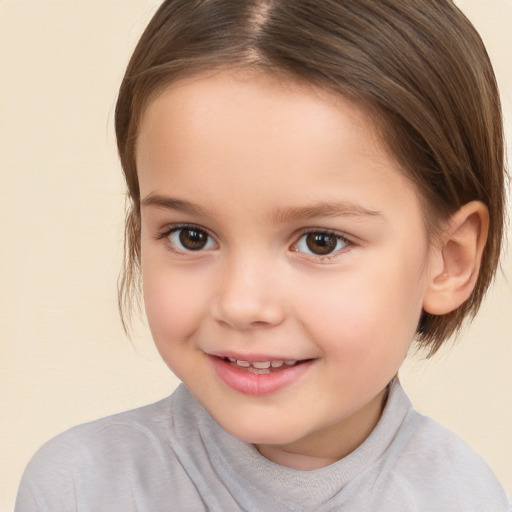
x: 418, y: 66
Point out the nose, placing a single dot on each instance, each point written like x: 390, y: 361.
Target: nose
x: 248, y: 295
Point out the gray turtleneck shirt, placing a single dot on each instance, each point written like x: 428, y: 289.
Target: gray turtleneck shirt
x: 173, y: 456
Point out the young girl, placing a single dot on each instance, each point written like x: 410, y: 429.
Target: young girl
x: 313, y: 186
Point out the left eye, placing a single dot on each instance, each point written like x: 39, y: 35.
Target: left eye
x: 191, y: 239
x: 320, y: 243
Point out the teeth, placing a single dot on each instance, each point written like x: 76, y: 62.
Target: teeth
x: 262, y: 371
x: 261, y: 365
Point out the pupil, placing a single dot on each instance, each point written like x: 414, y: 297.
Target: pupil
x: 321, y: 243
x: 193, y: 239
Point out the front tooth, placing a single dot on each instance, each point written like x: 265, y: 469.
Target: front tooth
x: 277, y: 364
x: 290, y: 363
x: 244, y: 364
x: 232, y: 359
x: 261, y: 366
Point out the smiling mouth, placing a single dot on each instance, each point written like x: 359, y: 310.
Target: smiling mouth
x: 262, y: 367
x: 257, y: 375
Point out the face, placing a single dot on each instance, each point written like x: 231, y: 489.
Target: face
x: 284, y: 258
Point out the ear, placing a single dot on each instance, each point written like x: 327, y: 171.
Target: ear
x: 456, y: 259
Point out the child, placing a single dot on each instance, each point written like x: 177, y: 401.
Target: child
x: 313, y: 185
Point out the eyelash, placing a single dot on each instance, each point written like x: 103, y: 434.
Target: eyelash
x: 170, y: 230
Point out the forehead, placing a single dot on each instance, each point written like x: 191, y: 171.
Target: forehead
x: 248, y: 103
x: 248, y: 98
x: 244, y: 131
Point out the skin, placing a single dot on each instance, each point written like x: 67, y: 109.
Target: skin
x: 248, y: 159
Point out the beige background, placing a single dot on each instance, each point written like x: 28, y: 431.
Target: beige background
x: 63, y: 356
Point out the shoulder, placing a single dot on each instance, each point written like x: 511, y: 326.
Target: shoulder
x: 98, y: 455
x: 115, y: 435
x: 442, y: 469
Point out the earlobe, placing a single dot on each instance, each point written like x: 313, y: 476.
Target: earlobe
x: 456, y: 259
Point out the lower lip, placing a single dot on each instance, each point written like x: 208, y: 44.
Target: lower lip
x: 257, y: 384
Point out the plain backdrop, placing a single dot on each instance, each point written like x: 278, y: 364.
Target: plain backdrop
x: 63, y: 356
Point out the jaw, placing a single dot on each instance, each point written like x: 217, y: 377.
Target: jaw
x: 327, y: 446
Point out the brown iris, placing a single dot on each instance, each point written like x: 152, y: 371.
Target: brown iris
x: 321, y: 243
x: 193, y: 239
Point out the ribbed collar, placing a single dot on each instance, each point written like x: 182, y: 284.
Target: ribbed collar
x: 251, y: 478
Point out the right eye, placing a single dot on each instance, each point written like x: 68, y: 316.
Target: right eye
x: 191, y: 238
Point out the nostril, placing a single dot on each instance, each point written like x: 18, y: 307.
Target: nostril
x: 259, y: 323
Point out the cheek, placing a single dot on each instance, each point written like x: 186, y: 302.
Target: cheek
x: 173, y: 302
x: 364, y: 339
x: 369, y: 313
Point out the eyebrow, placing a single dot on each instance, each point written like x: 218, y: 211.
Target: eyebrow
x: 278, y: 216
x: 321, y: 209
x: 171, y: 203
